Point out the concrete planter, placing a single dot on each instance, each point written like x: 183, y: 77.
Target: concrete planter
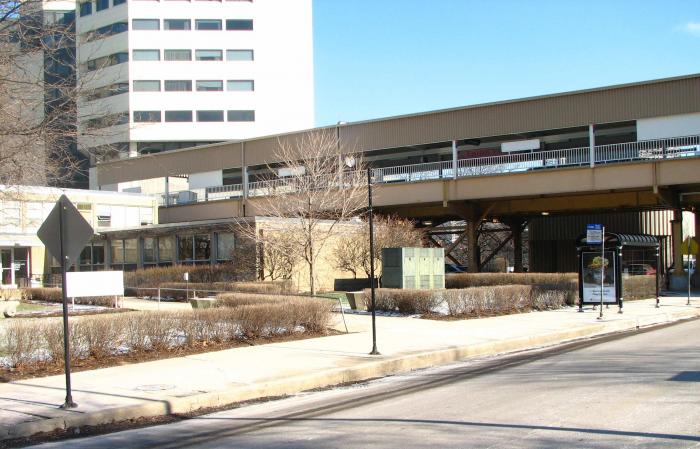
x: 8, y: 308
x: 202, y: 303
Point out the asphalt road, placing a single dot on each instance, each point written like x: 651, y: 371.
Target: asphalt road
x: 641, y: 391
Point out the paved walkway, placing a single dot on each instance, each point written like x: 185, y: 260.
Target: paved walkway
x: 212, y: 379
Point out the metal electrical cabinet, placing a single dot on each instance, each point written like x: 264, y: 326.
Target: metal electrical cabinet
x: 413, y: 268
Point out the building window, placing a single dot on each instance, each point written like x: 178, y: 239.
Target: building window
x: 240, y: 85
x: 107, y: 91
x: 117, y: 247
x: 239, y: 55
x: 176, y: 24
x: 146, y: 55
x: 106, y: 31
x: 208, y: 55
x: 195, y: 248
x: 145, y: 24
x: 118, y: 2
x: 177, y: 55
x: 106, y: 121
x: 210, y: 116
x: 104, y: 216
x: 178, y: 85
x: 207, y: 24
x: 210, y: 86
x: 239, y: 25
x: 146, y: 85
x: 147, y: 116
x: 106, y: 61
x: 85, y: 9
x: 240, y: 116
x: 101, y: 5
x: 149, y: 250
x: 225, y: 244
x: 166, y: 249
x: 178, y: 116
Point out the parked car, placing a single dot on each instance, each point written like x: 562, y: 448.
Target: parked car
x: 636, y: 269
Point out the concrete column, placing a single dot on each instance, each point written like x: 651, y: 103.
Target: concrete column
x: 139, y: 252
x: 244, y: 177
x: 167, y: 191
x: 695, y: 278
x: 517, y: 231
x: 591, y: 144
x: 677, y: 236
x: 454, y: 159
x: 472, y: 243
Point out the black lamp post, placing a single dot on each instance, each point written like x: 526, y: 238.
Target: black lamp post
x: 371, y: 262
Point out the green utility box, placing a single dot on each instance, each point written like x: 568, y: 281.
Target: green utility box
x: 418, y: 268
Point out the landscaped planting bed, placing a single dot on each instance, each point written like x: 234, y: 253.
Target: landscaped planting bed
x: 563, y: 282
x: 54, y: 295
x: 31, y: 347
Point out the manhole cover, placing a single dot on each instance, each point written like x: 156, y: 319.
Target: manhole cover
x: 156, y: 387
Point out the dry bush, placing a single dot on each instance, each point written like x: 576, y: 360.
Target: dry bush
x: 638, y: 287
x: 564, y: 282
x: 403, y: 301
x: 19, y: 343
x: 178, y: 290
x: 501, y: 300
x: 232, y: 300
x: 54, y: 295
x: 153, y: 277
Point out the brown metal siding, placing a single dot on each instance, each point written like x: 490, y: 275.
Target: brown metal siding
x: 656, y: 98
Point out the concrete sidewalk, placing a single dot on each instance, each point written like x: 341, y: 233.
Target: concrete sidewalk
x: 213, y: 379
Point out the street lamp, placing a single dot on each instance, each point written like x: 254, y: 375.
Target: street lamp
x: 371, y: 262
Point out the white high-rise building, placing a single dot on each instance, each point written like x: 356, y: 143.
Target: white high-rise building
x: 169, y: 74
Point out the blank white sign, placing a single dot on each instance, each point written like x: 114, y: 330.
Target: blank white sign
x: 80, y: 284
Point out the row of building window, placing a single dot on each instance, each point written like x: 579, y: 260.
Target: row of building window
x: 186, y: 55
x: 186, y: 24
x: 169, y: 55
x: 186, y: 85
x: 100, y: 5
x: 105, y: 31
x: 202, y: 116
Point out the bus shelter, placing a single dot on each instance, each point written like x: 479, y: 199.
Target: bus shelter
x: 628, y: 269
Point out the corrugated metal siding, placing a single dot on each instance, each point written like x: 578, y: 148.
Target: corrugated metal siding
x: 553, y: 238
x: 657, y: 98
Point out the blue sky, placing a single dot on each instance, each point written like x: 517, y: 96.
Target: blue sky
x: 377, y: 58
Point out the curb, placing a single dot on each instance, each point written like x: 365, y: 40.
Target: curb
x: 336, y: 376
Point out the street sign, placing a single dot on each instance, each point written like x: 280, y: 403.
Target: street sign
x: 594, y: 234
x: 65, y: 233
x: 76, y: 231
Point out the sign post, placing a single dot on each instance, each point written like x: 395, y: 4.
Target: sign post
x: 65, y: 233
x: 595, y: 235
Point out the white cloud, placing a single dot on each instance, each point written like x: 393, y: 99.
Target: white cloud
x: 692, y: 28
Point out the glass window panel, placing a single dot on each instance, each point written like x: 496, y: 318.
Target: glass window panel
x: 146, y: 55
x: 208, y: 55
x: 243, y: 85
x: 166, y: 248
x: 210, y: 85
x: 238, y: 24
x: 146, y: 85
x: 185, y: 247
x: 176, y: 24
x: 147, y: 116
x: 207, y: 24
x: 210, y: 116
x: 239, y: 55
x: 85, y: 9
x: 98, y: 254
x: 131, y: 253
x: 178, y: 116
x: 118, y: 2
x: 225, y: 245
x: 149, y: 250
x: 240, y: 116
x: 145, y: 24
x: 202, y: 246
x: 117, y: 247
x: 86, y: 256
x: 178, y: 55
x: 101, y: 5
x: 178, y: 85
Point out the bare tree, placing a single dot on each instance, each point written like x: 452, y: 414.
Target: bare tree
x: 311, y: 186
x: 353, y: 251
x: 279, y: 259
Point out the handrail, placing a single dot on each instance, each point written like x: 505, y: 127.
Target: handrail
x: 669, y: 148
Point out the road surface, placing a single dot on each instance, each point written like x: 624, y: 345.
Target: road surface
x: 641, y: 391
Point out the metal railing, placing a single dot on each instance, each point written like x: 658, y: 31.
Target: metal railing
x: 670, y: 148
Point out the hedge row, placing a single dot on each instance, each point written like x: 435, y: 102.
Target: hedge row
x: 153, y: 277
x: 178, y: 290
x: 26, y: 342
x: 562, y: 282
x: 49, y: 294
x: 474, y: 301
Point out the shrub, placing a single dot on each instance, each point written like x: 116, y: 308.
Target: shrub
x: 501, y: 300
x: 54, y: 295
x: 563, y: 282
x: 403, y: 301
x: 30, y: 341
x: 153, y: 277
x: 638, y: 287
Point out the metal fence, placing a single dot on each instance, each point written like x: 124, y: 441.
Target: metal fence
x: 481, y: 166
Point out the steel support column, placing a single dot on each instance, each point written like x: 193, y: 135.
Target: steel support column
x: 677, y: 236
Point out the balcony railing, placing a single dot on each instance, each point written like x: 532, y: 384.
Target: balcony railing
x: 647, y: 150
